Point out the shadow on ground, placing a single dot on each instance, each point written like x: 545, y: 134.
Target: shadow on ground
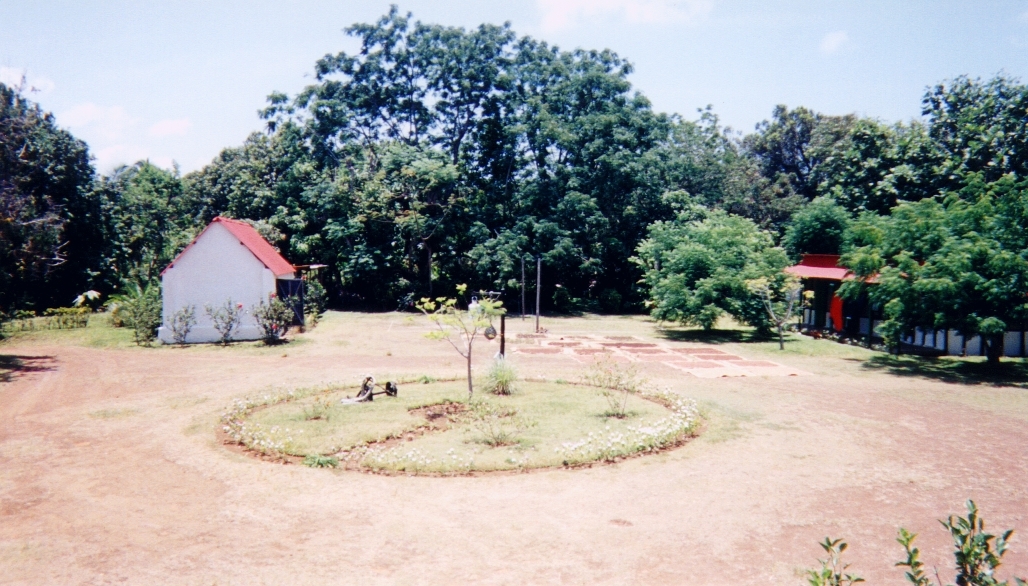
x: 1010, y: 374
x: 713, y: 336
x: 12, y: 364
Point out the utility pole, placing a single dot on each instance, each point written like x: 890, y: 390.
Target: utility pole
x: 538, y: 292
x: 522, y: 287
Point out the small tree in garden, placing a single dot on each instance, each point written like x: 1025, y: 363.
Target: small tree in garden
x: 780, y: 295
x: 182, y: 322
x: 225, y: 319
x: 460, y: 327
x: 273, y: 318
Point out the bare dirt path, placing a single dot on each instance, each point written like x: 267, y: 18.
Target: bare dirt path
x: 110, y: 474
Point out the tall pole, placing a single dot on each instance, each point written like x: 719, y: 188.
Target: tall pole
x: 503, y: 335
x: 538, y: 292
x: 522, y: 287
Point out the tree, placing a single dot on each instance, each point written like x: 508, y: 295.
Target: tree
x: 779, y: 295
x: 697, y: 268
x: 961, y: 263
x: 52, y: 224
x: 819, y: 228
x: 460, y: 327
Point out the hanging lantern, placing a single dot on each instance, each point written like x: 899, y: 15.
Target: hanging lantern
x: 490, y: 332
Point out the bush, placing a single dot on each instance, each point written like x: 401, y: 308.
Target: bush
x: 182, y: 322
x: 501, y: 378
x: 315, y: 297
x: 273, y: 318
x: 316, y: 461
x: 142, y: 309
x: 66, y: 318
x: 225, y: 319
x: 616, y: 383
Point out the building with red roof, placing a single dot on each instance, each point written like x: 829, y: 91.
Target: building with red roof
x: 824, y: 310
x: 228, y: 262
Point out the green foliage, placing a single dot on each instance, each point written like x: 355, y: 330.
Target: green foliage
x: 142, y: 308
x: 977, y: 555
x: 961, y: 263
x: 182, y: 321
x: 273, y: 318
x: 225, y: 318
x: 818, y: 228
x: 832, y: 569
x: 697, y: 268
x: 502, y: 378
x: 51, y: 222
x: 315, y: 298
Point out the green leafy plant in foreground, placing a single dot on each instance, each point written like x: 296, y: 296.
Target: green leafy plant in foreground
x: 977, y: 555
x: 832, y: 569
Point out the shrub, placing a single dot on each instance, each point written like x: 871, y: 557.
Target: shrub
x: 225, y: 319
x: 501, y: 378
x: 142, y: 308
x: 496, y: 426
x: 182, y: 322
x: 616, y: 383
x: 315, y: 300
x: 273, y: 318
x: 66, y: 318
x: 977, y: 555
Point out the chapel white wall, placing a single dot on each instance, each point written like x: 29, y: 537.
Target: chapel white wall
x: 216, y: 268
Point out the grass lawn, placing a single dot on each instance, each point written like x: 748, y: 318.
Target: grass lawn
x: 546, y: 422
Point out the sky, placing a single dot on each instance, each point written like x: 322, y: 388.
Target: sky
x: 176, y: 82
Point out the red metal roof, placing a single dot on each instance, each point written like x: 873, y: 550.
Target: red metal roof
x: 820, y: 266
x: 253, y: 242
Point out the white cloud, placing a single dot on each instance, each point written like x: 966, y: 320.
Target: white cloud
x: 1023, y: 16
x: 109, y: 123
x: 13, y: 76
x: 564, y: 14
x: 831, y: 42
x: 169, y: 127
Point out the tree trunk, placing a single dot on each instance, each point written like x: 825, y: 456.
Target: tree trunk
x: 781, y: 338
x: 993, y: 349
x: 471, y: 389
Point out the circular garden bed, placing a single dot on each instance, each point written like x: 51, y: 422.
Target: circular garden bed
x: 432, y: 428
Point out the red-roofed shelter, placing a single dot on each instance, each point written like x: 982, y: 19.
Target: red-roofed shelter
x: 229, y: 261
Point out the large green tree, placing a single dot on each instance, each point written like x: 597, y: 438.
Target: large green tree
x: 52, y: 223
x: 697, y: 268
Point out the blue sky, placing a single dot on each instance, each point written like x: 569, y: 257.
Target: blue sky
x: 179, y: 81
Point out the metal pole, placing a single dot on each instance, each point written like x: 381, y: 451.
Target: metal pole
x: 538, y: 293
x: 522, y: 287
x: 503, y: 335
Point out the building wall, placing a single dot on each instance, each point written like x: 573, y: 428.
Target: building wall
x: 217, y: 268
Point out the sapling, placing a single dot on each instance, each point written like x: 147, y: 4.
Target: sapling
x: 460, y: 327
x: 779, y: 295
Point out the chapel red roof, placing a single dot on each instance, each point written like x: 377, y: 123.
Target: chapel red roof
x: 253, y: 242
x: 820, y: 266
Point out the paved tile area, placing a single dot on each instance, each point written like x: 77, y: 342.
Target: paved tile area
x: 697, y: 360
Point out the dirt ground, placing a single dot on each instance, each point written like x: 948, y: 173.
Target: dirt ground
x: 110, y: 472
